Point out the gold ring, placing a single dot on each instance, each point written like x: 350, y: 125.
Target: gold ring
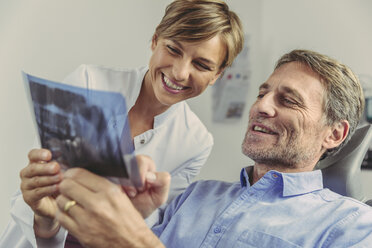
x: 68, y: 205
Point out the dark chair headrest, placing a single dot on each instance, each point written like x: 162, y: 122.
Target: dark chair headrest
x: 341, y: 172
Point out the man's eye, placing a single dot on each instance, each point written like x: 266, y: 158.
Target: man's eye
x: 288, y: 101
x: 260, y: 95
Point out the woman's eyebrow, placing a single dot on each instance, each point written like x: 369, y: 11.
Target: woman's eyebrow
x: 177, y: 43
x: 207, y: 61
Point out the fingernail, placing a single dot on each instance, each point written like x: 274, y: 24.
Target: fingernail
x: 151, y: 177
x: 44, y: 155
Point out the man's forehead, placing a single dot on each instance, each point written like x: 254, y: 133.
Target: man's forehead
x: 293, y: 77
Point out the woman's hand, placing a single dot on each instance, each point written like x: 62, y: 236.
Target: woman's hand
x: 39, y: 186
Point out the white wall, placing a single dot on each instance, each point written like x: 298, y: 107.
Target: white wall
x: 50, y: 38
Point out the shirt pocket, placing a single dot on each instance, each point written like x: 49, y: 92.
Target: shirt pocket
x: 251, y: 238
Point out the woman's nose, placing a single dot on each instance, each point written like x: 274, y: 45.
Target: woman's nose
x: 181, y: 70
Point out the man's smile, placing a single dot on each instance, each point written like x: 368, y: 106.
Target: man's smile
x: 263, y: 129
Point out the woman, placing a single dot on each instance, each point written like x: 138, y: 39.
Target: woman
x: 194, y: 42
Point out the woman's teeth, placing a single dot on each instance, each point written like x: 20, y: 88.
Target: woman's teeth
x: 172, y: 85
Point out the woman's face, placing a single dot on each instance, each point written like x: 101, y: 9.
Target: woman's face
x: 181, y: 70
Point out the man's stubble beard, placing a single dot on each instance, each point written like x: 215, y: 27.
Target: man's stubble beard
x: 291, y: 155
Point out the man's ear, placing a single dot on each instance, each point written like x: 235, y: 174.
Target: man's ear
x: 154, y: 42
x: 338, y: 133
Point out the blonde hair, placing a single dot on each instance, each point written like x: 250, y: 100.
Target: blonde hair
x: 344, y: 98
x: 199, y: 20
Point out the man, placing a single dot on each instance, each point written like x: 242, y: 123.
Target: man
x: 306, y: 110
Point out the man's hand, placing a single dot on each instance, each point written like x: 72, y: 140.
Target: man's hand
x: 155, y: 190
x: 39, y: 185
x: 104, y: 215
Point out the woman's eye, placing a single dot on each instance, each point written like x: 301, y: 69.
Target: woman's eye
x: 202, y: 66
x: 173, y: 50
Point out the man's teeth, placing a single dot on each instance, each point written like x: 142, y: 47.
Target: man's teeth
x: 172, y: 85
x: 261, y: 129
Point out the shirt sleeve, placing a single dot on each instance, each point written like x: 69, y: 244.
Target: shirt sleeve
x: 182, y: 178
x: 355, y: 230
x: 13, y: 237
x: 79, y: 77
x: 166, y: 214
x: 19, y: 232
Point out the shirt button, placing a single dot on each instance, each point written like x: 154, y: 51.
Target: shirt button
x: 142, y: 141
x: 217, y: 230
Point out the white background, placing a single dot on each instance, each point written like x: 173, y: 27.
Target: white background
x: 50, y: 38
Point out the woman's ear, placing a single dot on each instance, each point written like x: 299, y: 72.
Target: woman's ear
x: 337, y: 134
x: 154, y: 42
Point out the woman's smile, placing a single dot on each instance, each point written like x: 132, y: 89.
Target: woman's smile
x: 172, y: 86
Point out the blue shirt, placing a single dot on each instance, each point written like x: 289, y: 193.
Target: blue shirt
x: 280, y: 210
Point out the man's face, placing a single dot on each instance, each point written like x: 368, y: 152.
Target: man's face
x: 286, y: 124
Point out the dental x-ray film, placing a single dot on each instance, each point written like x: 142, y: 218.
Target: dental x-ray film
x: 84, y: 128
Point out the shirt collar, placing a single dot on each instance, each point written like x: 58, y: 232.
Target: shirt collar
x: 293, y: 183
x: 167, y: 115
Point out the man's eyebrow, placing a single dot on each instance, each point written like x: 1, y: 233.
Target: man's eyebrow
x: 264, y: 86
x: 205, y: 60
x: 286, y: 89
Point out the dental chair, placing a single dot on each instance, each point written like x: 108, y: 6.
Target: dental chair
x: 342, y: 172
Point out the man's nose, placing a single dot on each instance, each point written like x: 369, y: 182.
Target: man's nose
x: 266, y: 105
x: 181, y: 70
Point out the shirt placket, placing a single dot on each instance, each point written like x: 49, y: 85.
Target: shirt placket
x: 222, y: 223
x: 142, y: 139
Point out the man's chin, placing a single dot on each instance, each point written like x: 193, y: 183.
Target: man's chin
x: 251, y: 150
x: 268, y: 158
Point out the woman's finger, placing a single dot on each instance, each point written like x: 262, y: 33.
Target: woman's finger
x: 36, y: 155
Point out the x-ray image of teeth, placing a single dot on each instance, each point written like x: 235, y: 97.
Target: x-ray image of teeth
x: 83, y: 128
